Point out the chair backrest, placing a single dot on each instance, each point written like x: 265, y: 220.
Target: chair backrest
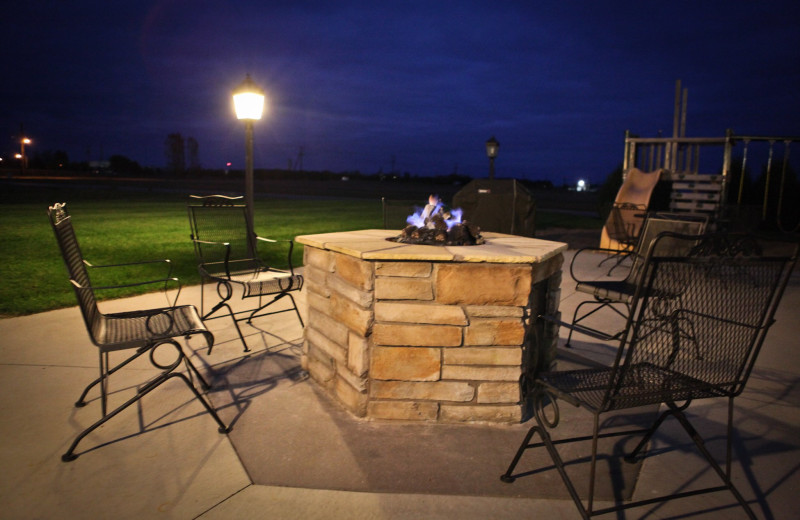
x: 61, y: 222
x: 699, y: 319
x: 624, y: 223
x: 623, y: 226
x: 656, y: 224
x: 218, y: 218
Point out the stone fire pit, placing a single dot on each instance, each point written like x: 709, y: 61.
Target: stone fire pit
x: 429, y: 333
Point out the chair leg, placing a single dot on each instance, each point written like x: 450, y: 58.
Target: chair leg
x: 547, y: 441
x: 526, y: 443
x: 167, y: 374
x: 104, y: 373
x: 190, y: 366
x: 296, y: 310
x: 634, y: 454
x: 677, y: 412
x: 103, y: 363
x: 701, y: 446
x: 219, y: 306
x: 261, y: 307
x: 202, y: 294
x: 254, y: 314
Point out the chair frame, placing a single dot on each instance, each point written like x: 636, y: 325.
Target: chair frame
x: 610, y: 294
x: 227, y: 271
x: 140, y: 331
x: 725, y: 263
x: 624, y: 226
x: 633, y: 200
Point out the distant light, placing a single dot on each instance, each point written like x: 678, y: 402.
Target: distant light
x: 18, y: 156
x: 248, y: 100
x: 228, y: 164
x: 581, y: 185
x: 25, y: 140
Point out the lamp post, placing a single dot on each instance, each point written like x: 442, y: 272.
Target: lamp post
x: 23, y: 160
x: 248, y: 101
x: 492, y: 146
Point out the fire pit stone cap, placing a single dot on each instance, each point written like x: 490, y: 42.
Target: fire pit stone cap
x: 371, y: 244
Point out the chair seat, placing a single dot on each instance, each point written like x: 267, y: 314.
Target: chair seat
x: 642, y: 384
x: 618, y: 291
x: 141, y: 328
x: 262, y: 283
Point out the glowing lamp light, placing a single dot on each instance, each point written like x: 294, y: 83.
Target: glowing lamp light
x: 492, y: 147
x: 248, y: 100
x: 581, y: 185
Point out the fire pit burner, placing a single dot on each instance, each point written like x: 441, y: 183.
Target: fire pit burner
x: 435, y: 226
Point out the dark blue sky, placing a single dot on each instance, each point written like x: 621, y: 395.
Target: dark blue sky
x: 357, y: 84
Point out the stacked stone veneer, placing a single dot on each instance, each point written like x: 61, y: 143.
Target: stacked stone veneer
x: 427, y: 341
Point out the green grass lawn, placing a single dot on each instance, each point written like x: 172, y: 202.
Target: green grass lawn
x: 118, y: 227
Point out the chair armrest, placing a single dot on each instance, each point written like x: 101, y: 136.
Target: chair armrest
x: 128, y: 264
x: 276, y: 241
x: 602, y: 250
x: 594, y: 333
x: 209, y: 242
x: 165, y: 281
x: 226, y: 245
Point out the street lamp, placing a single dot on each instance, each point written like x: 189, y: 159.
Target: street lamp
x: 23, y: 159
x: 492, y: 146
x: 248, y: 101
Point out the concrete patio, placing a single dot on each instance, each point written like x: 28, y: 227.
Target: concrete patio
x: 164, y: 457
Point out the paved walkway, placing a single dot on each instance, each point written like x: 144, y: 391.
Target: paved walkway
x: 165, y: 458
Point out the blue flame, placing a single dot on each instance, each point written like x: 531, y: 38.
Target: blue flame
x: 420, y: 219
x: 455, y: 218
x: 416, y: 219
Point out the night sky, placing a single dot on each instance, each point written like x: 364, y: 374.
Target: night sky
x: 415, y: 85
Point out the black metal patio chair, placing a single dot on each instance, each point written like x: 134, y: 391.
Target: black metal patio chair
x: 617, y: 294
x: 137, y: 332
x: 626, y: 218
x: 227, y: 253
x: 697, y: 324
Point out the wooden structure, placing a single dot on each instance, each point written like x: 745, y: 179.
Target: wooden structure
x: 699, y: 168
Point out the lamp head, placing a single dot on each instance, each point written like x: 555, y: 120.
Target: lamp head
x: 248, y: 100
x: 492, y: 146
